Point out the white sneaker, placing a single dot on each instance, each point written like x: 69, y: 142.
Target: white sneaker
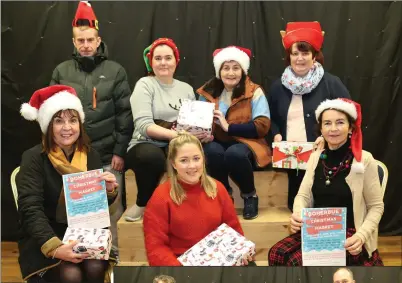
x: 135, y: 213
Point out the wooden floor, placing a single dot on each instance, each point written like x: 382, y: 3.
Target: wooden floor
x: 390, y: 249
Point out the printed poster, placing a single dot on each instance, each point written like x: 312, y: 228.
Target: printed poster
x: 86, y: 200
x: 323, y: 236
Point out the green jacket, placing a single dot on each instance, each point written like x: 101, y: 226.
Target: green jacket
x: 103, y: 88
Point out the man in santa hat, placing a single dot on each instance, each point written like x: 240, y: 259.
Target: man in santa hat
x: 103, y: 89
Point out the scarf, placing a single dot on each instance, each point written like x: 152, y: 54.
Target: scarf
x: 63, y: 166
x: 302, y: 85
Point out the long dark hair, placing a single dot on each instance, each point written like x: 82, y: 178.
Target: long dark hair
x: 216, y: 86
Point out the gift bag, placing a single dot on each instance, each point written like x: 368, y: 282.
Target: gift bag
x: 196, y: 117
x: 222, y: 247
x: 291, y: 155
x: 97, y: 242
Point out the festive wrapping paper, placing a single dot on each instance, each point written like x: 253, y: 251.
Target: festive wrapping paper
x: 96, y: 242
x: 222, y: 247
x: 291, y: 155
x: 196, y: 117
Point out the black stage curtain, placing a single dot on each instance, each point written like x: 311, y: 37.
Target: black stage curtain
x: 255, y: 274
x: 362, y: 46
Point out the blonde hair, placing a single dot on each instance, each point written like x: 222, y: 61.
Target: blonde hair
x: 177, y: 192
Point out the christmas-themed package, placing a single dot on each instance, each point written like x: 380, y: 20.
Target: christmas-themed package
x: 291, y: 155
x: 196, y: 117
x: 97, y: 242
x: 222, y: 247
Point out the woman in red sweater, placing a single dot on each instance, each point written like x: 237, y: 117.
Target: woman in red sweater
x: 187, y: 207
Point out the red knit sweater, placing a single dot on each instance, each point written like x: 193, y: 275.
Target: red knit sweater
x: 170, y: 229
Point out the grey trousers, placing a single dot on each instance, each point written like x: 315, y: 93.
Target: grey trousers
x: 116, y: 209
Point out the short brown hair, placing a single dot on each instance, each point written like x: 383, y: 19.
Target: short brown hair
x: 48, y: 139
x: 81, y: 28
x: 305, y: 47
x: 164, y: 279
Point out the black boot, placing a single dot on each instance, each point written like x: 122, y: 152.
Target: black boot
x: 250, y: 210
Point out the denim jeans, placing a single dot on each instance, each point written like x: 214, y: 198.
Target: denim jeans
x: 231, y: 159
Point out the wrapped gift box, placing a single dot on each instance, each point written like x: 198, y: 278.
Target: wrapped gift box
x: 222, y: 247
x: 196, y: 117
x: 291, y: 155
x: 96, y: 242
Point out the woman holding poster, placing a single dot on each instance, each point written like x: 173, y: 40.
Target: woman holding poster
x: 41, y: 202
x: 242, y: 121
x: 303, y: 86
x: 187, y: 207
x: 340, y: 175
x: 155, y: 104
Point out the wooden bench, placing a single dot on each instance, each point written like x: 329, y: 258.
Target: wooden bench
x: 268, y: 228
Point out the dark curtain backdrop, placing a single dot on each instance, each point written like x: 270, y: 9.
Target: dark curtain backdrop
x: 362, y: 46
x: 255, y: 274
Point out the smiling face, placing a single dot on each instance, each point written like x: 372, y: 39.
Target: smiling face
x: 189, y: 163
x: 335, y: 128
x: 163, y: 61
x: 301, y: 61
x: 66, y: 129
x: 231, y: 73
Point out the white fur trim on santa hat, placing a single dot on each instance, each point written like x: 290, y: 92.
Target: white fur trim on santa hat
x: 28, y: 112
x: 336, y: 104
x: 229, y: 54
x: 62, y: 100
x: 357, y: 167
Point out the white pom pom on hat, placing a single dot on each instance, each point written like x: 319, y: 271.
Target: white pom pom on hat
x: 28, y: 112
x: 47, y: 101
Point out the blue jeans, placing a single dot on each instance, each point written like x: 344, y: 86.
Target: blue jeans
x: 231, y: 159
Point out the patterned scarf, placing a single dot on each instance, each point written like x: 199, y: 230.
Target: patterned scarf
x: 63, y: 166
x: 303, y: 85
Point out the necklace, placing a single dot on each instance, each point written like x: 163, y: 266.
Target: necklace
x: 331, y: 172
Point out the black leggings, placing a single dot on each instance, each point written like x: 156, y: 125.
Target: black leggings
x: 149, y: 164
x: 90, y: 271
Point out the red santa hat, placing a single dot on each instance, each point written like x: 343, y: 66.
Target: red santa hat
x: 309, y: 32
x: 353, y: 109
x: 232, y: 53
x: 47, y: 101
x: 85, y: 16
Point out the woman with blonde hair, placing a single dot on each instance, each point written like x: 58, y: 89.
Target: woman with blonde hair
x: 186, y: 207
